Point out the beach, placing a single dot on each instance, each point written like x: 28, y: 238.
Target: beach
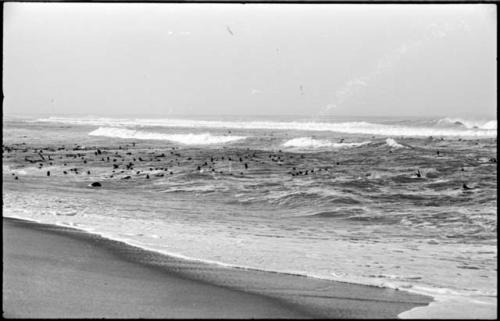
x: 58, y: 272
x: 250, y: 161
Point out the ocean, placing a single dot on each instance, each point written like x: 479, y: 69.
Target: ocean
x: 377, y: 201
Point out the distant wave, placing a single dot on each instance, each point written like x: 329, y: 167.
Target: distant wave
x: 394, y: 144
x: 342, y: 127
x: 471, y: 124
x: 308, y: 142
x: 188, y: 139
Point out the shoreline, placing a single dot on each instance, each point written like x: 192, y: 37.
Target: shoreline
x: 256, y: 294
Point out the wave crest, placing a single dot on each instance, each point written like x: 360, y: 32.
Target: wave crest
x: 394, y: 144
x: 362, y: 127
x: 187, y: 139
x: 470, y: 124
x: 308, y: 142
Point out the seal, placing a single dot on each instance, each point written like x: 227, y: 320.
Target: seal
x: 465, y: 187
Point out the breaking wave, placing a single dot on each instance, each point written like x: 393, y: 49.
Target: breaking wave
x: 394, y: 144
x: 471, y: 124
x: 308, y: 142
x: 487, y: 129
x: 187, y: 139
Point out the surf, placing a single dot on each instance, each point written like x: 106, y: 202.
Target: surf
x: 311, y: 143
x: 488, y: 130
x: 186, y: 139
x: 394, y: 144
x: 468, y: 123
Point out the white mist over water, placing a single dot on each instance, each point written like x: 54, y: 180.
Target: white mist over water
x: 356, y: 85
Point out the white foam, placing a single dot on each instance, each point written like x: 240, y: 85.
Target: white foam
x: 308, y: 142
x: 490, y: 125
x: 394, y: 144
x: 468, y: 123
x: 187, y: 139
x: 448, y: 303
x: 341, y: 127
x: 454, y: 307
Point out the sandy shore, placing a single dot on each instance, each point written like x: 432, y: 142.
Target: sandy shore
x: 57, y: 272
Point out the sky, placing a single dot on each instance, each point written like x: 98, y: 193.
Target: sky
x: 118, y: 59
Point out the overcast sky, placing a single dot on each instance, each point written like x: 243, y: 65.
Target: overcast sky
x: 215, y: 59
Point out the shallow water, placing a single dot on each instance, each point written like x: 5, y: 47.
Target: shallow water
x: 337, y: 199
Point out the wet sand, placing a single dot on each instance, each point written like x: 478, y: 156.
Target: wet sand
x: 58, y: 272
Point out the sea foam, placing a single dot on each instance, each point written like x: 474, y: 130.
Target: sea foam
x: 187, y: 139
x: 308, y: 142
x: 468, y: 123
x: 394, y: 144
x: 361, y: 127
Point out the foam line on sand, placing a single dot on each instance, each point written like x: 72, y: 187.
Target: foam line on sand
x: 53, y: 271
